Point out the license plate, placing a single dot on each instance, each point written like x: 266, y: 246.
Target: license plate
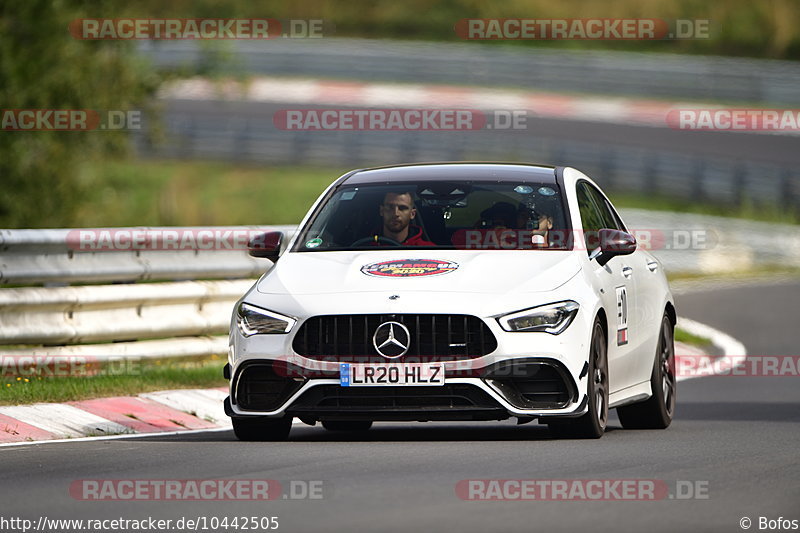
x: 377, y: 375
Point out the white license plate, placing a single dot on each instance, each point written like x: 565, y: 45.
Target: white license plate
x: 390, y: 374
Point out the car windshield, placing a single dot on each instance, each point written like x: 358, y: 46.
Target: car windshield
x: 442, y: 215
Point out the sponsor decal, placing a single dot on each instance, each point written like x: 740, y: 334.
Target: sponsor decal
x: 407, y: 268
x: 622, y: 315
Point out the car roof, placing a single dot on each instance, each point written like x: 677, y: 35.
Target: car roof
x: 514, y: 172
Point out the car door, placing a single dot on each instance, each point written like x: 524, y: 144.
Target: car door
x: 650, y: 286
x: 619, y: 291
x: 645, y: 301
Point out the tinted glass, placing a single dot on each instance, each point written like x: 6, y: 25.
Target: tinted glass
x: 438, y: 214
x: 609, y: 220
x: 591, y: 218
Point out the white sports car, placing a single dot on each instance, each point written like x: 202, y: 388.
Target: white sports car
x: 454, y: 291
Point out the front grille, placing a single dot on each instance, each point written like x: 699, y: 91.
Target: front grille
x: 260, y: 387
x: 432, y: 336
x: 332, y: 397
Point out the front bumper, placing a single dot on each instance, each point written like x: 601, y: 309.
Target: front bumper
x: 523, y: 387
x: 524, y: 374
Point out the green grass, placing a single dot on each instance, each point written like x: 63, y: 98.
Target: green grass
x: 763, y: 271
x: 198, y: 193
x: 763, y: 213
x: 689, y: 338
x: 202, y: 193
x: 125, y: 379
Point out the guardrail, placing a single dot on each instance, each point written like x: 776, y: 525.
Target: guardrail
x: 72, y: 315
x: 191, y: 318
x: 59, y: 256
x: 162, y: 317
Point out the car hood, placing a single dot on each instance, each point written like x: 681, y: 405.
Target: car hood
x: 484, y: 272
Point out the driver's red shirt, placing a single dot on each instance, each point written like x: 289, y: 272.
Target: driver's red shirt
x: 414, y: 238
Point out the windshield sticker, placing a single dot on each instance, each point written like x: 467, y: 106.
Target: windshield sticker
x: 313, y: 243
x: 408, y: 268
x: 348, y: 195
x: 546, y: 191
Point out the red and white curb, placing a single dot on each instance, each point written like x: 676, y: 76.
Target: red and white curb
x: 316, y: 92
x: 149, y: 413
x: 192, y: 410
x: 733, y: 351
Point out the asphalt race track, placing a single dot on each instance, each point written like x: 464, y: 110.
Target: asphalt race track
x: 736, y: 437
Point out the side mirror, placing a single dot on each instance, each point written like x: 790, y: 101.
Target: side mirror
x: 613, y: 243
x: 266, y: 245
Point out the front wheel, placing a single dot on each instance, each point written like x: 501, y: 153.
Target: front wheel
x: 658, y: 410
x: 592, y: 425
x: 262, y: 429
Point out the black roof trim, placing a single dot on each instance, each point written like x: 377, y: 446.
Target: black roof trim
x: 455, y: 170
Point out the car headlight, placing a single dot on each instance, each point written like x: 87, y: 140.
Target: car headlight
x: 551, y: 318
x: 253, y: 320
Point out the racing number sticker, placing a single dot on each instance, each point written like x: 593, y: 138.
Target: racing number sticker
x: 622, y: 315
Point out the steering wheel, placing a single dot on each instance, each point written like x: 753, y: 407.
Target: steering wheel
x: 381, y: 238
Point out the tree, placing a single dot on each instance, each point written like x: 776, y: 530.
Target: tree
x: 43, y: 67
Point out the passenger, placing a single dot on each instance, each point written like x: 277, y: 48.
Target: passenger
x: 501, y: 215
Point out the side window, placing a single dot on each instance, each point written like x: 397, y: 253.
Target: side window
x: 609, y: 220
x: 591, y: 219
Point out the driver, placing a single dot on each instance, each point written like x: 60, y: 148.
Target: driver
x: 397, y: 211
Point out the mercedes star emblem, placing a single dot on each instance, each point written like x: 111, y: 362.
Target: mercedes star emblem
x: 391, y: 339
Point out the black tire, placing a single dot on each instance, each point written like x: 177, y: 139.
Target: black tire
x: 656, y: 412
x: 591, y: 425
x: 347, y: 425
x: 262, y: 429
